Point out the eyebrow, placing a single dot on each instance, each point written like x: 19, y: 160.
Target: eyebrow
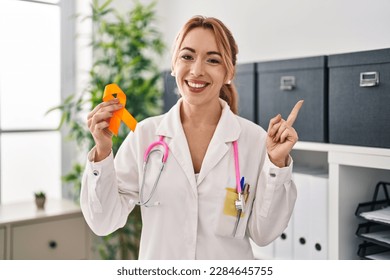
x: 209, y: 53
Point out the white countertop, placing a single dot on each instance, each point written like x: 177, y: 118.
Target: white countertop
x: 17, y: 212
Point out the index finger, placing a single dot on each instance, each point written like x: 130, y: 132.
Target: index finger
x: 99, y: 106
x: 294, y: 113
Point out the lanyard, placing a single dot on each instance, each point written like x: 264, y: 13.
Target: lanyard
x: 237, y: 167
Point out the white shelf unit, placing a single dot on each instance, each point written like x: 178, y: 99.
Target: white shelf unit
x: 353, y: 174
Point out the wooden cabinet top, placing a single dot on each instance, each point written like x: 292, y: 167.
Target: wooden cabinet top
x: 26, y: 211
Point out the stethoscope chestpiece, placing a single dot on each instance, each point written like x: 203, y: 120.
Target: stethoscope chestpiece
x: 132, y: 201
x: 240, y: 203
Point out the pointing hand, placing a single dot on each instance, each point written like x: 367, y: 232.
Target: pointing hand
x: 282, y: 137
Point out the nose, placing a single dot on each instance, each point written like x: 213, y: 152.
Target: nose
x: 197, y: 68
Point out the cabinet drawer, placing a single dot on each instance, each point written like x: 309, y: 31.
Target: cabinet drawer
x: 281, y: 84
x: 57, y: 239
x: 2, y: 244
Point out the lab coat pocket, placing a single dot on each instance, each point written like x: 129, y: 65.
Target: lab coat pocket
x: 227, y: 218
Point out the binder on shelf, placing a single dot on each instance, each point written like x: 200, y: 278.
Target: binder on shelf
x: 310, y: 218
x: 301, y: 215
x: 283, y: 245
x: 264, y: 252
x: 318, y: 222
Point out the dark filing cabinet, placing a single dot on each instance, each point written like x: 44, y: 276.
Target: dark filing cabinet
x: 359, y: 98
x: 245, y: 82
x: 282, y: 83
x: 171, y: 92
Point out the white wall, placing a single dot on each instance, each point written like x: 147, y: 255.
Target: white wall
x: 278, y: 29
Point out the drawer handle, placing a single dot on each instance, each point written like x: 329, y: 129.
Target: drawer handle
x: 52, y: 244
x: 287, y: 83
x: 369, y: 79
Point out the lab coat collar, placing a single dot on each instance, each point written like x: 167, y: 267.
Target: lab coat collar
x: 228, y: 130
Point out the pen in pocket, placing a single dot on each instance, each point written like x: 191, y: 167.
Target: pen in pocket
x: 246, y: 191
x: 242, y: 184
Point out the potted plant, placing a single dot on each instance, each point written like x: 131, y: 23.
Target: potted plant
x: 40, y: 199
x: 126, y: 49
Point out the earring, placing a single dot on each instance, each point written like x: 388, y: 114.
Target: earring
x: 229, y: 82
x: 173, y: 74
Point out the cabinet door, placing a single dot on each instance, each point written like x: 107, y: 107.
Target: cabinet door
x: 2, y: 244
x: 59, y: 239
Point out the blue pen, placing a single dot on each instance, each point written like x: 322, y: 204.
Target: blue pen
x: 242, y: 183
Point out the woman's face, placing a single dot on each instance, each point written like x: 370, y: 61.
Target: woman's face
x: 199, y: 69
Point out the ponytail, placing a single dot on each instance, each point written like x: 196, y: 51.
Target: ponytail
x: 229, y: 94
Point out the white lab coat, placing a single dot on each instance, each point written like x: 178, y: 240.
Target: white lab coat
x: 190, y: 222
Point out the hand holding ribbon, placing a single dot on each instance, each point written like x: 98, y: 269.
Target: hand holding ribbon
x: 121, y: 114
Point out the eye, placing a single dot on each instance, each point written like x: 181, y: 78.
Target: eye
x: 214, y: 61
x: 187, y: 57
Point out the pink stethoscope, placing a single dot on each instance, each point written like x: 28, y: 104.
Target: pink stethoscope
x: 239, y: 203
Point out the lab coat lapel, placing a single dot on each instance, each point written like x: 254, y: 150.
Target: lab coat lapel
x: 227, y: 131
x: 172, y: 129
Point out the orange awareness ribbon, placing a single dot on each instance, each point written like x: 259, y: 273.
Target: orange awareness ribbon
x: 121, y: 114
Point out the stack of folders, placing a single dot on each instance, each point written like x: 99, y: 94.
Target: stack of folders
x: 376, y: 233
x: 381, y: 215
x: 307, y: 232
x: 375, y: 230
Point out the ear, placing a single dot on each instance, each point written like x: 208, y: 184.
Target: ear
x: 229, y: 79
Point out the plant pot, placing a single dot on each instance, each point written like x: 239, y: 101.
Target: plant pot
x: 40, y: 202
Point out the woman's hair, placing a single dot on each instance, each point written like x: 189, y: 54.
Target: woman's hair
x: 226, y: 45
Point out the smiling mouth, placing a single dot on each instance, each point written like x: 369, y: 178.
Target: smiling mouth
x: 196, y: 85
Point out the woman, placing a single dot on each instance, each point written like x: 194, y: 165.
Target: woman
x: 195, y: 211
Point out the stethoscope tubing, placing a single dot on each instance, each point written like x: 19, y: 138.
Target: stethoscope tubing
x: 143, y: 202
x: 154, y: 144
x: 164, y: 158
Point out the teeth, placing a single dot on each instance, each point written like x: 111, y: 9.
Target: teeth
x: 194, y: 85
